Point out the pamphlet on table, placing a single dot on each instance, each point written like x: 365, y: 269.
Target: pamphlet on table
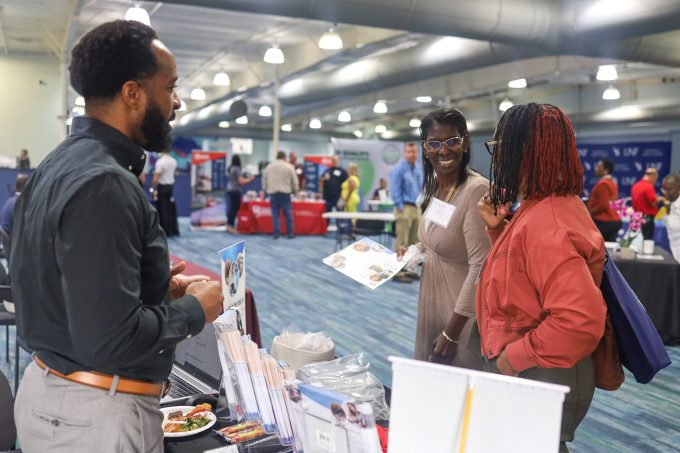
x: 367, y: 262
x: 233, y: 277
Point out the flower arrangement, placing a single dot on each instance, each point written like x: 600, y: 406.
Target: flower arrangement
x: 634, y: 225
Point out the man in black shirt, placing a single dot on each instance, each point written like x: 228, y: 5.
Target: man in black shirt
x: 96, y: 299
x: 331, y: 181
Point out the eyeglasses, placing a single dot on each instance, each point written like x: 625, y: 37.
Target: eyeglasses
x: 491, y: 146
x: 451, y: 143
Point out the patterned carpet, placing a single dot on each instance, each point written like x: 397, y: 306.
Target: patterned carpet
x: 293, y: 288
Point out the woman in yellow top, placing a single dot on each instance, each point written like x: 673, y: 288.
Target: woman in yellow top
x: 350, y: 189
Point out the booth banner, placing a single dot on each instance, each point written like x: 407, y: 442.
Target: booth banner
x: 375, y: 159
x: 208, y: 186
x: 313, y: 168
x: 630, y: 161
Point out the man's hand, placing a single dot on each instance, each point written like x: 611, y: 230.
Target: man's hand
x: 179, y: 283
x: 504, y: 366
x: 210, y: 297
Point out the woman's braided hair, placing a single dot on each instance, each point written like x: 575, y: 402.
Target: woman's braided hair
x: 536, y: 155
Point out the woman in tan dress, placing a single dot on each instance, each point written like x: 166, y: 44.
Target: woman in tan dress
x: 454, y: 240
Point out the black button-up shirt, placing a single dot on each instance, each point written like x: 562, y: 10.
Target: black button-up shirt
x: 89, y: 262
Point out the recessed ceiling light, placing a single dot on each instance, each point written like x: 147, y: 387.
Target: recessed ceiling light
x: 517, y: 83
x: 182, y: 106
x: 287, y: 127
x: 138, y: 14
x: 611, y: 93
x: 424, y: 99
x: 344, y: 117
x: 505, y: 104
x: 330, y: 40
x: 242, y: 120
x: 224, y: 124
x: 315, y: 123
x: 358, y: 133
x: 80, y: 101
x: 380, y: 129
x: 197, y: 94
x: 265, y: 110
x: 274, y: 55
x: 380, y: 107
x: 607, y: 72
x: 414, y: 122
x: 221, y: 79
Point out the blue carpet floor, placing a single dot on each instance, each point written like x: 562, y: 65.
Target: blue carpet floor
x: 293, y: 287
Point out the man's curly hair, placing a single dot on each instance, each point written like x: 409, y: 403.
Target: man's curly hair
x: 109, y: 55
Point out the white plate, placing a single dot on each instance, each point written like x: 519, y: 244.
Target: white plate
x: 185, y: 410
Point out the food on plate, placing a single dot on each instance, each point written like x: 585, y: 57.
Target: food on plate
x: 196, y: 418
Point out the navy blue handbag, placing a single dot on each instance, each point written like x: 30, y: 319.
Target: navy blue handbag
x: 640, y: 347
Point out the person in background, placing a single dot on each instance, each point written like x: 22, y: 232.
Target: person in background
x: 406, y: 181
x: 381, y: 193
x: 23, y: 161
x: 604, y: 191
x: 279, y: 181
x: 331, y: 182
x: 96, y: 299
x: 455, y: 246
x: 7, y: 212
x: 671, y: 189
x: 299, y: 170
x: 145, y: 171
x: 349, y: 192
x: 163, y: 183
x: 235, y: 181
x: 644, y: 199
x: 540, y: 311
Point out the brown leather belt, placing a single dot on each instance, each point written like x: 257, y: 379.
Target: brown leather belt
x: 106, y: 381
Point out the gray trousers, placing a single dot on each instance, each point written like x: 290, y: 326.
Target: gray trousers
x: 580, y: 379
x: 55, y: 415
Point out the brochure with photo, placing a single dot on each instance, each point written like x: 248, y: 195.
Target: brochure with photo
x: 367, y: 262
x: 329, y: 421
x: 233, y: 277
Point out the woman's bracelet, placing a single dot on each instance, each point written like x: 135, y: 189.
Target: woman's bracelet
x: 449, y: 338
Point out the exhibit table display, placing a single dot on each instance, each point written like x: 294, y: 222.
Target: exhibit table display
x: 255, y: 216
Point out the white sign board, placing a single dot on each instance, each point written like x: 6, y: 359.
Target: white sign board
x: 504, y: 414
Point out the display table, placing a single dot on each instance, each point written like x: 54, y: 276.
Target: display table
x: 256, y: 217
x: 657, y: 285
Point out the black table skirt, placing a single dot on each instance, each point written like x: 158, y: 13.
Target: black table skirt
x: 657, y: 285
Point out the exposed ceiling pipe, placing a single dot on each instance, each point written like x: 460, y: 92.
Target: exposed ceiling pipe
x: 436, y: 57
x: 210, y: 115
x: 548, y: 25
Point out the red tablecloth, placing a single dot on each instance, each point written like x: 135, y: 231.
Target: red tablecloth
x: 256, y: 217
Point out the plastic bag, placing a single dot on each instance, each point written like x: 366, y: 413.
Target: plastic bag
x: 310, y: 341
x: 349, y: 375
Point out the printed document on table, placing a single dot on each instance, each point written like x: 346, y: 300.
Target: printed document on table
x: 367, y: 262
x: 233, y: 277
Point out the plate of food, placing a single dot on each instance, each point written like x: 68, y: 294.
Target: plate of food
x: 182, y: 421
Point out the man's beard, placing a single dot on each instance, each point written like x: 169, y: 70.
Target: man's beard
x: 155, y: 129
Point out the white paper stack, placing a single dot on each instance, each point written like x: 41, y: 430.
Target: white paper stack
x: 232, y: 340
x: 261, y: 392
x: 273, y: 377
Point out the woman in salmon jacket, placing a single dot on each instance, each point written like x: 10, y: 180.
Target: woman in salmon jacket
x: 540, y: 311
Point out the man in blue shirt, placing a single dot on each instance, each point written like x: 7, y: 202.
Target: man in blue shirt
x: 406, y: 181
x: 7, y: 212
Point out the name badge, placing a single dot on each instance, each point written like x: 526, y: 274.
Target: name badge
x: 337, y: 173
x: 440, y: 212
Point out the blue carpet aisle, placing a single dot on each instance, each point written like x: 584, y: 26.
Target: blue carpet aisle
x: 292, y: 286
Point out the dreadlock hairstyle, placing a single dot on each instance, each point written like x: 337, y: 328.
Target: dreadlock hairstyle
x: 536, y: 155
x: 456, y: 119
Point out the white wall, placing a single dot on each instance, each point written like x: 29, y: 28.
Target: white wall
x: 29, y: 115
